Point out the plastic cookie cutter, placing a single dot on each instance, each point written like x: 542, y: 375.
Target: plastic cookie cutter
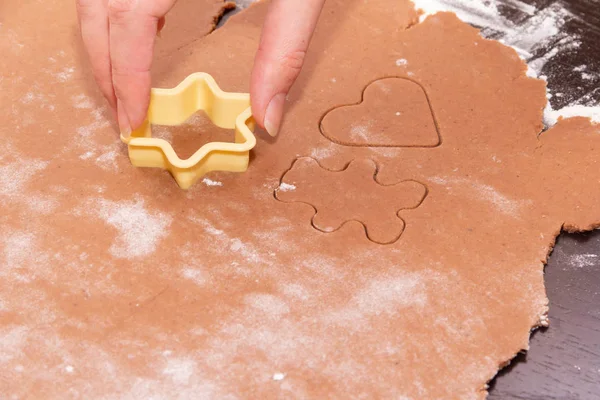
x: 197, y: 92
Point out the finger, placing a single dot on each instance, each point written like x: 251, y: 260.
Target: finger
x: 286, y: 34
x: 93, y: 24
x: 133, y: 28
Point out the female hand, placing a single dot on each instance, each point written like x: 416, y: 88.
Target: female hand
x: 119, y: 38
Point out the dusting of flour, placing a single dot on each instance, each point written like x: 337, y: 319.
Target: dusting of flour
x: 286, y: 187
x: 551, y: 116
x: 383, y: 297
x: 210, y: 182
x: 14, y: 176
x: 483, y: 192
x: 538, y: 40
x: 584, y: 260
x: 139, y: 230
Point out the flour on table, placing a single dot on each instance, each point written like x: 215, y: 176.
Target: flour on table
x: 536, y: 31
x: 473, y: 12
x: 589, y: 77
x: 551, y: 116
x: 584, y: 260
x: 542, y: 30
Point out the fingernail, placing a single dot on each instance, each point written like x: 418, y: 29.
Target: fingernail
x: 124, y: 125
x: 274, y: 114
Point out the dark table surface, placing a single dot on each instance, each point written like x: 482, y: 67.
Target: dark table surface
x: 564, y: 360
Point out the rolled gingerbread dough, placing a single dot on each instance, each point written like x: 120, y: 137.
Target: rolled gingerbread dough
x: 116, y: 283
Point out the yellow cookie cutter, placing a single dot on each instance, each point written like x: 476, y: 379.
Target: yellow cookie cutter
x: 198, y: 91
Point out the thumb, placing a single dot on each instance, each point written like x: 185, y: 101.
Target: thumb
x: 286, y: 34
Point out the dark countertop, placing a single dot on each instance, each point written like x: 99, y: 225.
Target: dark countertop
x: 564, y: 360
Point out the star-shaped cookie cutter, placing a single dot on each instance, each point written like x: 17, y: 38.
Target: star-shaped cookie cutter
x: 198, y: 91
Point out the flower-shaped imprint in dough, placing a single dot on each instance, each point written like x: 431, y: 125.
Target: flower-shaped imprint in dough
x: 393, y: 112
x: 352, y: 194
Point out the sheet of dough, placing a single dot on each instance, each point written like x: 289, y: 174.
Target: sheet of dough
x: 115, y: 283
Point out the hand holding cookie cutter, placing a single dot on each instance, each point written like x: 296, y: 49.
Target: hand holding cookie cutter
x: 198, y: 91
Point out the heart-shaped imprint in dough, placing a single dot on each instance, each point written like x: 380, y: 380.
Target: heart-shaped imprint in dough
x: 393, y: 112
